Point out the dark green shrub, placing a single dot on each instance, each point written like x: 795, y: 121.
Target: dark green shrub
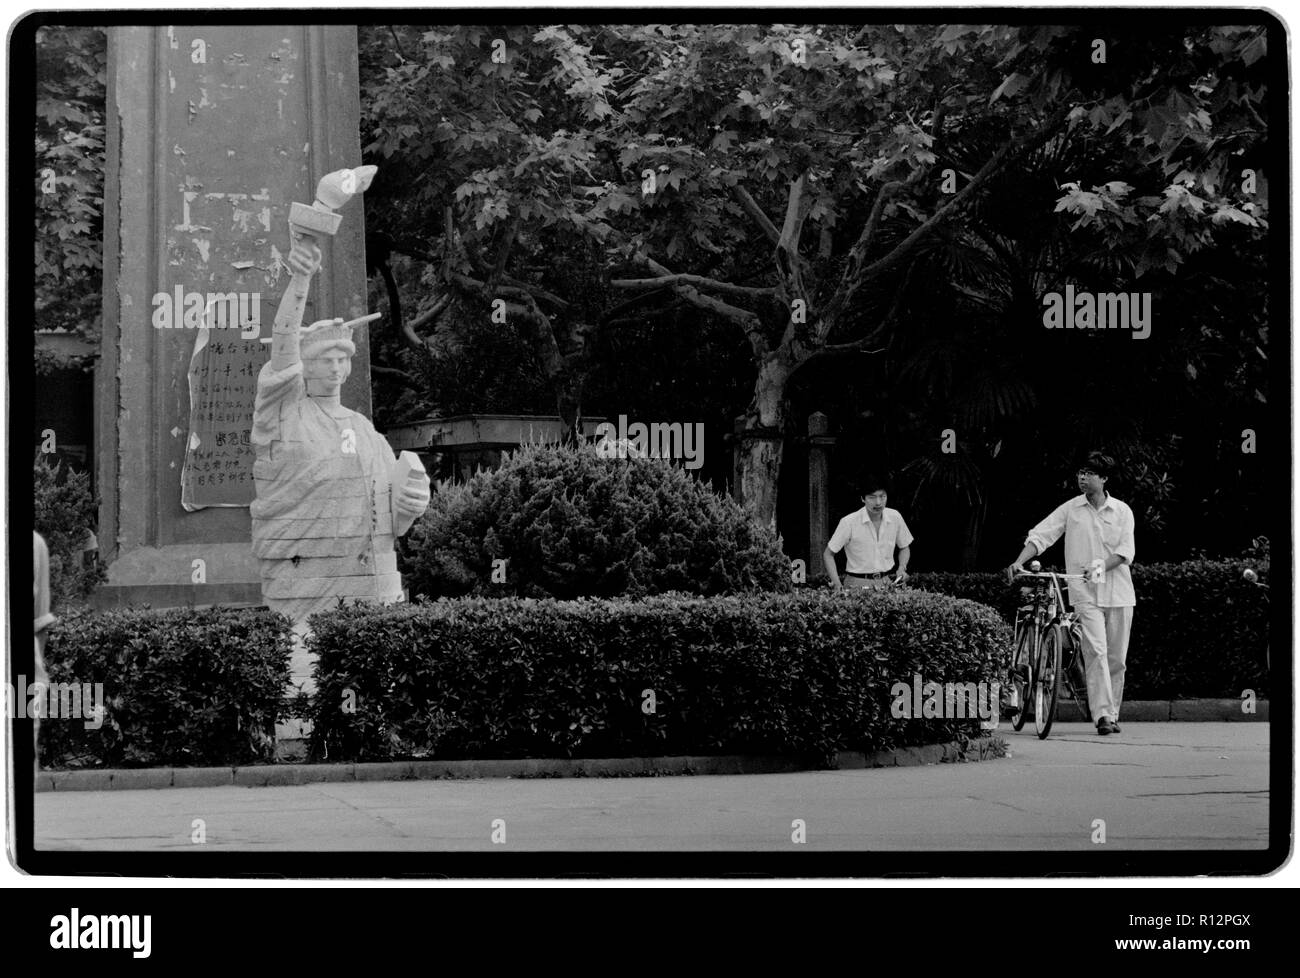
x: 64, y: 510
x: 986, y: 588
x: 802, y: 674
x: 1198, y: 628
x: 571, y: 524
x: 181, y: 687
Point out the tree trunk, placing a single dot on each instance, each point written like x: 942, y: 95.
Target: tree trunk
x: 974, y: 533
x: 563, y: 361
x: 761, y: 442
x: 568, y: 404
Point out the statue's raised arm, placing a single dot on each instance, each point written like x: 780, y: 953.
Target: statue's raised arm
x: 306, y: 221
x: 304, y: 261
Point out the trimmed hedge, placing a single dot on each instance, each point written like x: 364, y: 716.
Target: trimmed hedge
x: 803, y: 674
x: 181, y: 687
x: 571, y: 524
x: 1198, y: 628
x: 988, y: 589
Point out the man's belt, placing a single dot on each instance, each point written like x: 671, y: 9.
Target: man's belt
x: 871, y: 577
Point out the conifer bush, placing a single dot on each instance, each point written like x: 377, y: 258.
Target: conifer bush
x: 64, y: 510
x: 563, y: 522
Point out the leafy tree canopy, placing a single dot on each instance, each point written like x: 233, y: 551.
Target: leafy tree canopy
x: 69, y: 178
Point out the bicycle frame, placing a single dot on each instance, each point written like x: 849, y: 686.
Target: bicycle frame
x: 1047, y: 610
x: 1060, y: 613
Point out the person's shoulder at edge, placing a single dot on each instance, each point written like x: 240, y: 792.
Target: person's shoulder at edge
x: 1074, y: 502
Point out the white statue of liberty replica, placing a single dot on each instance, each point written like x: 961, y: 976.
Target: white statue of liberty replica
x: 331, y: 495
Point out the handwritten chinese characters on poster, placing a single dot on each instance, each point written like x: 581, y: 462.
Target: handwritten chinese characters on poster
x: 223, y: 385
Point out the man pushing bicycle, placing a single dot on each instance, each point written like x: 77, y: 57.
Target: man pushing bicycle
x: 1098, y: 531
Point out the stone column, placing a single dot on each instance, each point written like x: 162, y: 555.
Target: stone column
x: 213, y: 132
x: 819, y: 446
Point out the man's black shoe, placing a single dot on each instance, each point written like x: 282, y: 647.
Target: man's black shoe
x: 1114, y: 727
x: 1104, y: 726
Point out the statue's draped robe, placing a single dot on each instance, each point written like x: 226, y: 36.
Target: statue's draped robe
x: 322, y: 520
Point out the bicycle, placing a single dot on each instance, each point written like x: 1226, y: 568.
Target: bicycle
x: 1048, y: 642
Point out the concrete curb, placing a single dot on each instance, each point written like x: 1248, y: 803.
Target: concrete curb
x: 271, y: 775
x: 1162, y: 711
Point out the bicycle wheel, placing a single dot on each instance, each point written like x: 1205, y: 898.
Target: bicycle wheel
x: 1047, y: 680
x: 1075, y: 672
x: 1022, y: 669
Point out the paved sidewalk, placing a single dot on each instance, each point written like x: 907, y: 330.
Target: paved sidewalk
x: 290, y: 772
x: 1156, y: 785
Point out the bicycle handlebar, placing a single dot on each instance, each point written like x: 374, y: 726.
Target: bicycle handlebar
x: 1020, y: 572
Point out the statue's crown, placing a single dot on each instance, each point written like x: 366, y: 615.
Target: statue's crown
x: 322, y: 335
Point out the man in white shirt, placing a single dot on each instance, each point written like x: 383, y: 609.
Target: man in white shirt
x: 1098, y: 531
x: 868, y: 538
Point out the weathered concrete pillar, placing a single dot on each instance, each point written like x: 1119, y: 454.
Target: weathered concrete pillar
x: 213, y: 132
x: 819, y: 446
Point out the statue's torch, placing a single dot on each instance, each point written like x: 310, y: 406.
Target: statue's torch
x: 320, y: 217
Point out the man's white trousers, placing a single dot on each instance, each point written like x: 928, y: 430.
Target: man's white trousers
x: 1105, y: 647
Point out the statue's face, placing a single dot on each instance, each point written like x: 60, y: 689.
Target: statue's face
x: 326, y: 372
